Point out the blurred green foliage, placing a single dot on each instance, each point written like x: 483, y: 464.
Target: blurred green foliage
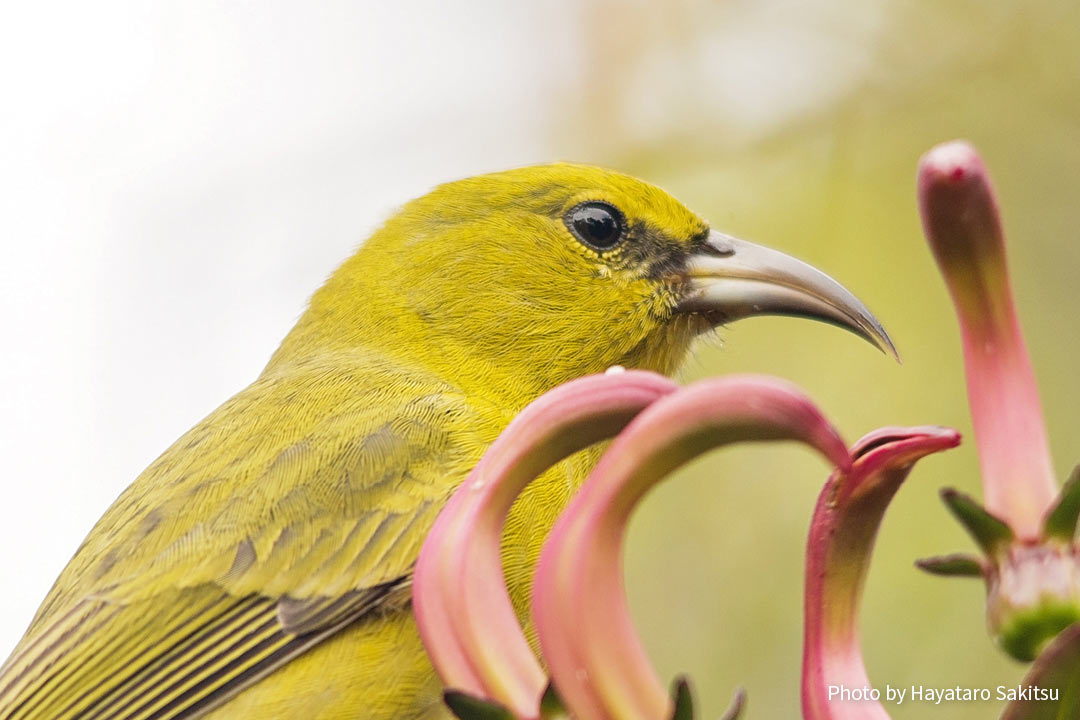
x: 715, y: 556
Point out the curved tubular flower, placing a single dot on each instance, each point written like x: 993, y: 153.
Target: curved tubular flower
x: 1027, y: 530
x: 597, y: 662
x: 960, y: 219
x: 460, y: 601
x: 842, y: 533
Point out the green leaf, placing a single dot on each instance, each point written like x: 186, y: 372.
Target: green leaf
x: 1060, y: 522
x: 467, y: 707
x: 989, y: 532
x: 684, y: 701
x: 551, y: 705
x: 955, y: 565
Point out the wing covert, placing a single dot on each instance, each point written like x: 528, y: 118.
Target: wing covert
x: 246, y: 543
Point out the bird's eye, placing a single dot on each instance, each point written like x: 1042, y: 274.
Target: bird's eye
x: 597, y: 224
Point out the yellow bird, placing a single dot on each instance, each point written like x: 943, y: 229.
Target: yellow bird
x: 260, y: 567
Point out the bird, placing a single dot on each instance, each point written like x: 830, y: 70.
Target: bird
x: 260, y: 567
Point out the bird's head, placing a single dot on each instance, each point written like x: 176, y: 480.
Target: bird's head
x: 537, y: 275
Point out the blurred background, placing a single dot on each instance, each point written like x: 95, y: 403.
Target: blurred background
x: 177, y: 178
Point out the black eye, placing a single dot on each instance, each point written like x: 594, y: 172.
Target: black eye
x: 597, y: 224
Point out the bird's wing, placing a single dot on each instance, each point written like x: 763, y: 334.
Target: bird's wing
x: 297, y: 507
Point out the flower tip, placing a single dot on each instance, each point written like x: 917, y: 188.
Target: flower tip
x: 896, y: 447
x: 937, y: 437
x: 959, y: 213
x: 951, y: 164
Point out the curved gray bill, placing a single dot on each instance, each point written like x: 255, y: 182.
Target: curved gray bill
x: 733, y: 279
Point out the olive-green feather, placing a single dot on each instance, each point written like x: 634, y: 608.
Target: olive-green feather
x: 245, y: 557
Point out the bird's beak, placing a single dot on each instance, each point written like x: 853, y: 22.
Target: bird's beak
x: 731, y: 279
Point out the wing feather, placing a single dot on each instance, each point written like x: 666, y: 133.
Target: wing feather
x: 292, y: 511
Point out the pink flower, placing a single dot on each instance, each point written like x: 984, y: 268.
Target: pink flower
x: 597, y: 661
x: 842, y: 533
x: 961, y: 222
x: 595, y: 658
x: 598, y: 666
x: 1031, y: 565
x: 460, y: 600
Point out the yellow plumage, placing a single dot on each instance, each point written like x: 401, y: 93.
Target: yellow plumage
x: 260, y: 566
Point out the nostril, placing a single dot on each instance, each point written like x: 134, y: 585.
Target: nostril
x: 718, y: 245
